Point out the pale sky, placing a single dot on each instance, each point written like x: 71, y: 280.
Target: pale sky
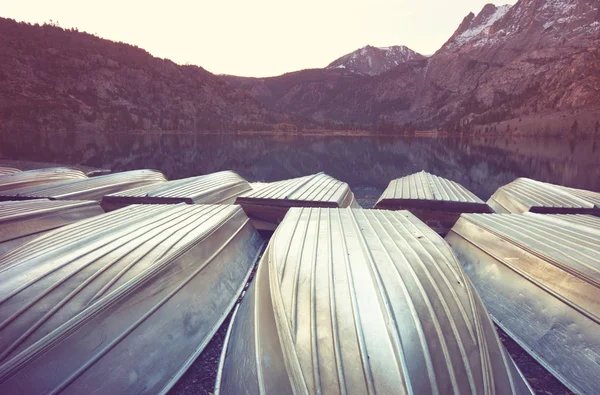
x: 255, y: 37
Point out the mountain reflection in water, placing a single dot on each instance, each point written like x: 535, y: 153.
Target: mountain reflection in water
x: 366, y: 163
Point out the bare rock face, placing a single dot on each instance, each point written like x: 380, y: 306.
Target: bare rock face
x: 374, y: 61
x: 476, y: 27
x: 536, y: 57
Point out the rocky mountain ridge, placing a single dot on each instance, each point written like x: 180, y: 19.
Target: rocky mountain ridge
x: 537, y: 59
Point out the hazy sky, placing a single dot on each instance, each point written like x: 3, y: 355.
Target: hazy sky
x: 255, y: 37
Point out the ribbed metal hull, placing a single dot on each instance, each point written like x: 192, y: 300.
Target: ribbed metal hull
x: 123, y: 302
x: 23, y: 221
x: 434, y: 200
x: 268, y: 205
x: 32, y: 178
x: 362, y: 301
x: 8, y: 170
x: 93, y: 188
x: 539, y: 276
x: 215, y: 188
x: 527, y: 195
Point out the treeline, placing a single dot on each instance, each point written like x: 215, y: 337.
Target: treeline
x: 306, y: 125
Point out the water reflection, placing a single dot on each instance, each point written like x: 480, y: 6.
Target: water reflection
x: 366, y: 163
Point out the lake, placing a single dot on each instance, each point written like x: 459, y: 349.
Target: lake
x: 366, y: 163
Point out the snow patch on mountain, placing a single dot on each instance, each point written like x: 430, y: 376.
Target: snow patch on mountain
x: 559, y: 6
x: 480, y: 30
x: 371, y: 60
x: 563, y: 12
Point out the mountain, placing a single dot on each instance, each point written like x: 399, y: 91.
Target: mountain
x: 531, y: 22
x: 373, y: 61
x: 334, y: 93
x: 536, y: 63
x: 536, y: 58
x: 54, y: 80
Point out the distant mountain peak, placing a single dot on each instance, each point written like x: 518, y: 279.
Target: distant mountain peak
x: 371, y: 60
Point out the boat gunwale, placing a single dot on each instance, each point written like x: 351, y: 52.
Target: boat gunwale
x: 525, y: 247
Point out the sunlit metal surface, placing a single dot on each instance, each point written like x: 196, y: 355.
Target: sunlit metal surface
x: 435, y: 200
x: 8, y: 170
x: 123, y: 302
x: 23, y: 221
x: 93, y: 188
x: 539, y: 276
x: 362, y: 301
x: 527, y: 195
x: 268, y: 205
x: 588, y: 196
x: 31, y: 178
x: 215, y: 188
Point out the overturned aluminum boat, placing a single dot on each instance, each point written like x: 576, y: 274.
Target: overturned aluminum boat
x: 539, y: 276
x: 47, y: 176
x: 23, y: 221
x: 93, y: 188
x: 123, y: 302
x: 268, y: 205
x: 362, y: 301
x: 8, y: 170
x: 434, y: 200
x: 215, y: 188
x: 527, y: 195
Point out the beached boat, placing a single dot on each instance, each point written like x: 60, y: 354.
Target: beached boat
x: 268, y: 205
x: 93, y: 188
x: 527, y: 195
x: 539, y: 276
x: 121, y: 303
x: 434, y: 200
x: 31, y: 178
x: 23, y: 165
x: 362, y: 301
x: 22, y: 221
x: 8, y: 170
x: 215, y: 188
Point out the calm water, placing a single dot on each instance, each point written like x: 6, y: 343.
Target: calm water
x: 366, y: 163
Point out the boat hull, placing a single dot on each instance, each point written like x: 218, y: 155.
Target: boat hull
x: 268, y: 205
x: 526, y: 195
x: 326, y: 315
x: 38, y: 217
x: 39, y: 177
x: 550, y: 313
x: 438, y: 215
x: 434, y: 200
x: 144, y: 332
x: 215, y: 188
x: 93, y: 188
